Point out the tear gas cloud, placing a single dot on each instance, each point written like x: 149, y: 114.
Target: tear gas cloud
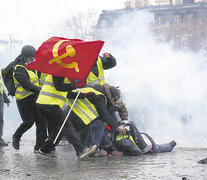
x: 164, y: 89
x: 32, y: 22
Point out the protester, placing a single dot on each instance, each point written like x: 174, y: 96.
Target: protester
x: 96, y: 76
x: 95, y: 106
x: 26, y: 82
x: 51, y: 99
x: 127, y: 145
x: 3, y: 99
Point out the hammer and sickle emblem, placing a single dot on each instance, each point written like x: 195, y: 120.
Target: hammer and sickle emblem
x: 70, y: 51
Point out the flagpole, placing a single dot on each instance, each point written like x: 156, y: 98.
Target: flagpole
x: 67, y: 117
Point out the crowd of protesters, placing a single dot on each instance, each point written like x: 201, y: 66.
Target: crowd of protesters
x: 82, y: 112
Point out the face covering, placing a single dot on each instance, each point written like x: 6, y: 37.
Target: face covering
x: 29, y: 60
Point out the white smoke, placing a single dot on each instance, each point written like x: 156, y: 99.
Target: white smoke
x: 164, y: 89
x: 32, y: 22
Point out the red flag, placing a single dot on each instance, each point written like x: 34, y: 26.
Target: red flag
x: 71, y: 58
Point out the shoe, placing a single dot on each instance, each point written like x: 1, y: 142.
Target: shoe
x: 203, y: 161
x: 97, y: 153
x: 15, y: 143
x: 36, y: 151
x: 2, y: 142
x: 46, y: 155
x: 173, y: 143
x: 86, y: 151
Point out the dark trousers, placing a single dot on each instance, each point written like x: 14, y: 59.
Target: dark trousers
x: 55, y: 117
x: 1, y: 115
x: 30, y: 114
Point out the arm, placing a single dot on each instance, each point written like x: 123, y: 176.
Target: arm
x: 6, y: 99
x: 61, y: 86
x: 108, y: 61
x: 99, y: 102
x: 22, y: 77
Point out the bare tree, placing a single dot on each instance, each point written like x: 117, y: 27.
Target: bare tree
x: 80, y: 25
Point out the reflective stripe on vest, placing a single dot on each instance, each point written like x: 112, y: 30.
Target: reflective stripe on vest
x: 20, y: 92
x: 49, y: 95
x: 83, y: 108
x: 93, y: 79
x: 1, y: 84
x: 122, y: 136
x: 42, y: 79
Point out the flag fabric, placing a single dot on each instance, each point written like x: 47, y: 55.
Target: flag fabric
x: 70, y: 58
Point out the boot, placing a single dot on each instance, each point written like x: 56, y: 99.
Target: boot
x: 173, y: 143
x: 2, y: 142
x: 15, y: 143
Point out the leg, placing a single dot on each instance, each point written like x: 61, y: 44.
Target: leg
x: 137, y: 136
x: 2, y: 143
x: 41, y: 133
x: 54, y: 116
x: 70, y: 133
x: 96, y: 131
x: 1, y: 115
x: 26, y: 112
x: 168, y: 147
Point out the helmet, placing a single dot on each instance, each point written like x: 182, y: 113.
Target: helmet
x: 28, y: 51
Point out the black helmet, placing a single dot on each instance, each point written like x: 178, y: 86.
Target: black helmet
x: 28, y: 51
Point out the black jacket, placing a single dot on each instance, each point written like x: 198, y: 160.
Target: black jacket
x: 108, y: 63
x: 23, y: 78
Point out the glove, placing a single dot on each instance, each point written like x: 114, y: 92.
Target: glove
x: 7, y: 101
x: 81, y: 96
x: 79, y: 83
x: 72, y: 95
x: 90, y: 95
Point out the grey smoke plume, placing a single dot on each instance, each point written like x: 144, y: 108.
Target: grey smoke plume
x: 165, y: 90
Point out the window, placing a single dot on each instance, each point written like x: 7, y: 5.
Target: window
x: 177, y: 18
x: 190, y: 16
x: 104, y: 23
x: 160, y: 19
x: 115, y: 23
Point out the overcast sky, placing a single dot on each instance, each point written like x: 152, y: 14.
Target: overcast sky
x: 27, y: 17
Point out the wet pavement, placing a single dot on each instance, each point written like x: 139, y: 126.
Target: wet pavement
x: 181, y: 163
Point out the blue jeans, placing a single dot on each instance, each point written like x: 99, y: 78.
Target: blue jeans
x: 95, y: 133
x: 159, y: 148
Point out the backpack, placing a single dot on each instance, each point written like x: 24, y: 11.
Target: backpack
x: 7, y: 76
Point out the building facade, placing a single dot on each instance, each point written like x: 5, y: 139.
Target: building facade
x: 182, y: 25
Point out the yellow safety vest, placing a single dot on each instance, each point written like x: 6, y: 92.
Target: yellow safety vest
x: 20, y: 92
x: 83, y: 108
x: 1, y: 84
x: 122, y: 136
x: 49, y: 95
x: 93, y: 79
x: 42, y: 78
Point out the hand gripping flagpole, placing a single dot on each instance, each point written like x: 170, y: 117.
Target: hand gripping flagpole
x: 67, y: 116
